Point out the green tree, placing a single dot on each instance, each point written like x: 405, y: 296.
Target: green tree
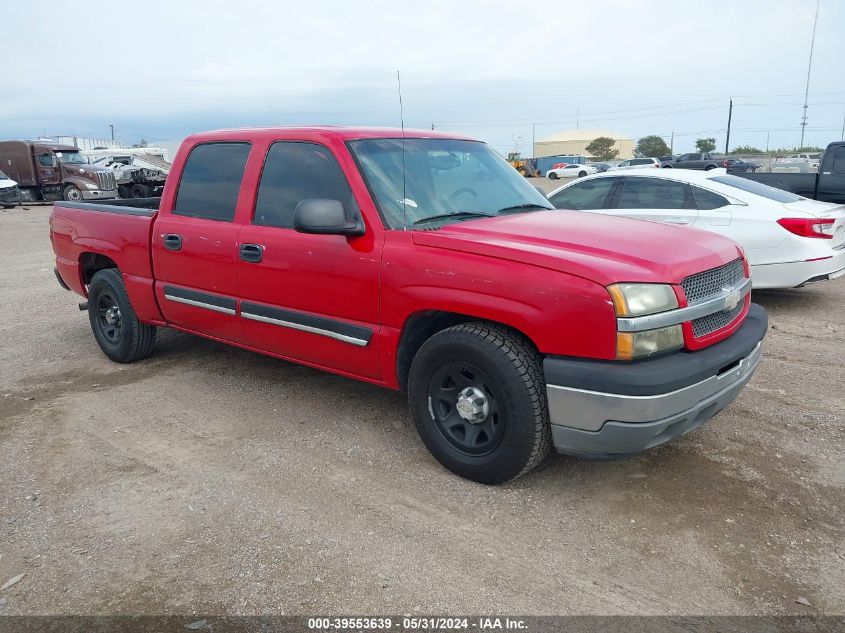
x: 705, y: 145
x: 602, y: 148
x: 652, y: 147
x: 746, y: 149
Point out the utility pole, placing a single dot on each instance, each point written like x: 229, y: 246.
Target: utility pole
x: 577, y: 117
x: 672, y: 143
x: 842, y: 136
x: 111, y: 125
x: 533, y: 133
x: 730, y: 114
x: 767, y: 141
x: 809, y: 67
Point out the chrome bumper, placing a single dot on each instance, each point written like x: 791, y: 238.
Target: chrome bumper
x: 99, y: 194
x: 592, y: 423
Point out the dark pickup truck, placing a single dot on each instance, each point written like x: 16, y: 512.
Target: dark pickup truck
x: 697, y: 161
x: 827, y: 185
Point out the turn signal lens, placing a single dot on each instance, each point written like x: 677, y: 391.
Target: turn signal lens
x: 632, y: 300
x: 633, y: 345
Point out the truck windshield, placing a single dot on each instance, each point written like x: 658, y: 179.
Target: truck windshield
x: 445, y: 180
x: 71, y: 158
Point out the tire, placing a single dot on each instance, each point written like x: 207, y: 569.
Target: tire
x: 497, y: 376
x: 709, y: 167
x: 667, y: 166
x: 139, y: 191
x: 72, y: 193
x: 119, y: 333
x: 552, y: 176
x: 581, y: 174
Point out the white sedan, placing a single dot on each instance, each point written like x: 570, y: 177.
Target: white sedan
x: 571, y: 171
x: 789, y: 240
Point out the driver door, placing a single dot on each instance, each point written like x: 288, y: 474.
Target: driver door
x: 47, y: 166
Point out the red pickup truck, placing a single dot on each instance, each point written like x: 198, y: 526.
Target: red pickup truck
x: 423, y: 261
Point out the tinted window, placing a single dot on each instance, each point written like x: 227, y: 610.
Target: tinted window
x: 585, y: 195
x: 642, y: 161
x: 652, y: 193
x: 211, y: 181
x: 757, y: 188
x: 45, y: 160
x: 839, y: 161
x: 294, y: 172
x: 706, y: 200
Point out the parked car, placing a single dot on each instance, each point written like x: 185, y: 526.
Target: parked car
x: 739, y: 166
x: 600, y: 167
x: 790, y: 241
x: 665, y: 160
x: 10, y: 195
x: 559, y: 165
x: 48, y: 172
x: 636, y: 163
x: 422, y: 261
x: 828, y: 184
x: 697, y: 161
x: 571, y: 171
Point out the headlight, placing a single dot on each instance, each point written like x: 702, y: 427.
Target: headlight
x: 632, y: 300
x: 90, y: 185
x: 632, y: 345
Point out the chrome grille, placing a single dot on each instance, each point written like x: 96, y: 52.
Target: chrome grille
x: 710, y: 282
x: 712, y: 322
x: 107, y: 181
x: 707, y: 284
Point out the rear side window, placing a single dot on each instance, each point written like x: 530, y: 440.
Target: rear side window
x: 293, y: 172
x: 757, y: 188
x: 707, y: 200
x: 211, y: 181
x: 652, y: 193
x: 586, y: 195
x: 642, y: 161
x: 839, y: 161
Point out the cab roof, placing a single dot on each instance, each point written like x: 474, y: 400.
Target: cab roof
x: 334, y: 132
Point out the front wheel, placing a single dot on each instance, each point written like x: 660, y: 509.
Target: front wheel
x: 119, y: 333
x: 552, y: 176
x: 72, y: 193
x: 478, y: 400
x: 709, y: 167
x: 581, y: 174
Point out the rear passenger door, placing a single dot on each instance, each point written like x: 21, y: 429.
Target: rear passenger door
x: 656, y: 199
x: 313, y: 298
x: 195, y: 243
x: 593, y: 194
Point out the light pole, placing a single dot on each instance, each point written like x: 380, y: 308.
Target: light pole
x: 809, y: 67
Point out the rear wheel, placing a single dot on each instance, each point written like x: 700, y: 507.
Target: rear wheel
x: 709, y: 167
x: 119, y: 333
x: 72, y: 193
x: 581, y: 174
x: 477, y: 397
x: 552, y: 175
x: 139, y: 190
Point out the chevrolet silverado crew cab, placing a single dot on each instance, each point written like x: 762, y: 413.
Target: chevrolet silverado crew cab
x: 425, y: 262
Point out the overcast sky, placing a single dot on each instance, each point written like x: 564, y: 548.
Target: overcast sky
x: 160, y: 70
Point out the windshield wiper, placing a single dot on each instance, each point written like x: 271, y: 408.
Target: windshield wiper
x: 523, y: 207
x: 454, y: 215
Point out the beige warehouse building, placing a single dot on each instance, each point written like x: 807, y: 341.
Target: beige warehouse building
x: 574, y: 143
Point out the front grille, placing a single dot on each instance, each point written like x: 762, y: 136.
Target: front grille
x: 711, y: 282
x: 708, y: 284
x: 107, y: 181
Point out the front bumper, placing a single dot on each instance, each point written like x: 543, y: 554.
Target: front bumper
x: 99, y: 194
x: 10, y: 196
x: 607, y: 410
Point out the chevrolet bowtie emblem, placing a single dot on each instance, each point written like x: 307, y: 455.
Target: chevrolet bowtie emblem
x: 732, y: 299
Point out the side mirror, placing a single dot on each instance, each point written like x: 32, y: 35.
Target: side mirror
x: 324, y: 217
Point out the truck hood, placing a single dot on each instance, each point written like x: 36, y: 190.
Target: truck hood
x: 593, y: 246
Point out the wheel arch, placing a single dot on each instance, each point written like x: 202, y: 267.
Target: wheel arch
x: 422, y: 325
x: 91, y: 263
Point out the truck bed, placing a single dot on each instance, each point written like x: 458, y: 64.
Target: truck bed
x: 80, y: 234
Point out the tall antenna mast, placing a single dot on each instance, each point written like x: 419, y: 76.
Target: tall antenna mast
x: 809, y: 67
x: 402, y: 124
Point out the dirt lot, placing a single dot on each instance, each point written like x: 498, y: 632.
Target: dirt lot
x: 209, y: 479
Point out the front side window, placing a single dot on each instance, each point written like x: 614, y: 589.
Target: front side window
x: 211, y: 181
x: 839, y: 161
x: 641, y: 161
x: 45, y: 160
x: 707, y: 200
x: 652, y: 193
x: 293, y: 172
x: 586, y: 195
x: 424, y: 181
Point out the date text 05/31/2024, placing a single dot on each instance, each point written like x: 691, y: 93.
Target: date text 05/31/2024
x: 415, y: 623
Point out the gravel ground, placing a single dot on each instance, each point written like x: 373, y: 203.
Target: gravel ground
x: 210, y: 479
